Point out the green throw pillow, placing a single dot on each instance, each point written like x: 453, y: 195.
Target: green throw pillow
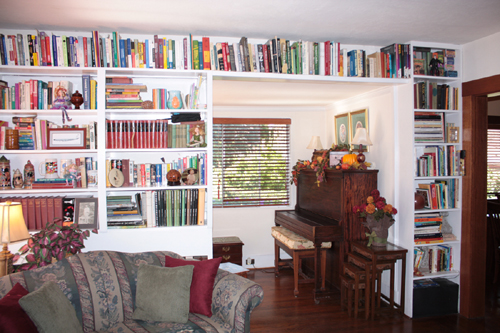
x: 163, y: 293
x: 51, y: 310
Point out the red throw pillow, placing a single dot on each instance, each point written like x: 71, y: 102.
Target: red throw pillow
x: 202, y: 285
x: 13, y: 319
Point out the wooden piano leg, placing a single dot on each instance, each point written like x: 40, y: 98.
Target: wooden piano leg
x: 323, y: 269
x: 276, y: 259
x: 317, y: 271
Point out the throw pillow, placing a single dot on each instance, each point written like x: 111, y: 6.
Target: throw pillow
x: 51, y: 310
x: 162, y: 293
x: 203, y: 282
x: 13, y: 319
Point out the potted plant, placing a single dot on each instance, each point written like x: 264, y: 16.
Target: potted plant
x: 52, y: 243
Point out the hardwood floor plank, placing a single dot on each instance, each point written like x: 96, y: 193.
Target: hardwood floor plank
x: 280, y: 311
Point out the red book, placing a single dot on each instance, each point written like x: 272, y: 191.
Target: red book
x: 50, y: 209
x: 44, y: 211
x: 185, y: 49
x: 14, y: 49
x: 58, y: 210
x: 224, y: 56
x: 160, y: 51
x: 47, y: 50
x: 24, y: 204
x: 157, y: 134
x: 119, y: 134
x: 31, y: 213
x: 165, y: 133
x: 44, y: 51
x: 206, y: 53
x: 143, y: 175
x: 228, y: 58
x: 85, y: 50
x: 38, y: 212
x: 327, y: 58
x: 266, y: 57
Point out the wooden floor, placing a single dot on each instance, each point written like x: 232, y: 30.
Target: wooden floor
x: 280, y: 311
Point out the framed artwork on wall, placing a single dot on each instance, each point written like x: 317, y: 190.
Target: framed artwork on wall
x: 342, y: 135
x: 86, y: 213
x: 358, y: 119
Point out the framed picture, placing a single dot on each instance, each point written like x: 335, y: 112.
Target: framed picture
x: 190, y: 176
x: 336, y: 157
x: 342, y: 135
x: 66, y: 138
x: 86, y: 213
x: 358, y: 119
x: 425, y: 193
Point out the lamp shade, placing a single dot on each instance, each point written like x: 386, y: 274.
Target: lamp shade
x: 315, y: 143
x: 12, y: 225
x: 361, y: 137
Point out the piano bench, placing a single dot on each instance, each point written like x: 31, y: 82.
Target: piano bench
x: 298, y: 248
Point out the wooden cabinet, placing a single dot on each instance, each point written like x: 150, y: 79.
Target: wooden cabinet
x: 229, y: 248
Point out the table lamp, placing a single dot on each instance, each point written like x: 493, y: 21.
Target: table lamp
x: 315, y: 143
x: 12, y: 229
x: 361, y: 138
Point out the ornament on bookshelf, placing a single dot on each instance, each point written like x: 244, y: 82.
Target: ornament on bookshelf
x: 5, y: 183
x: 77, y: 100
x: 190, y: 176
x: 434, y: 65
x: 116, y: 177
x: 173, y: 178
x: 197, y: 136
x: 62, y: 102
x: 29, y: 174
x: 147, y: 105
x: 18, y: 179
x: 11, y: 139
x: 71, y: 173
x: 174, y: 99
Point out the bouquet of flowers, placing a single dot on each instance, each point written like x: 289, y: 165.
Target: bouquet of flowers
x: 375, y: 206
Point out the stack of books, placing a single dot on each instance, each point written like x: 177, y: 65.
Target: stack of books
x: 429, y: 127
x: 123, y: 93
x: 428, y: 228
x: 123, y: 212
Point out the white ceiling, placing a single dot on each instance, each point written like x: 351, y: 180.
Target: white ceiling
x: 364, y: 22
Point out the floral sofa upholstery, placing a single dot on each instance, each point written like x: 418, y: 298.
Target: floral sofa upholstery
x: 101, y: 286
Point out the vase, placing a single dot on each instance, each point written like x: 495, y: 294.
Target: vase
x: 174, y: 99
x: 379, y: 229
x: 77, y: 100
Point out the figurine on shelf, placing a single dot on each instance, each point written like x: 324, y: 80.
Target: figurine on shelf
x: 29, y: 174
x: 71, y: 173
x: 17, y: 179
x: 62, y: 102
x: 434, y: 65
x: 197, y: 138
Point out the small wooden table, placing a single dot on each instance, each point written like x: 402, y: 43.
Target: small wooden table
x: 388, y: 253
x: 229, y: 248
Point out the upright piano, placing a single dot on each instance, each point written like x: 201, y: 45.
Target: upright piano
x: 324, y: 214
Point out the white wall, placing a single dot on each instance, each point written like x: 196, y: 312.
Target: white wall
x: 480, y: 58
x: 253, y: 225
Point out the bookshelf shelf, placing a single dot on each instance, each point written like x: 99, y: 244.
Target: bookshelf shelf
x: 51, y: 151
x: 457, y: 242
x: 156, y: 188
x: 449, y: 274
x: 51, y: 191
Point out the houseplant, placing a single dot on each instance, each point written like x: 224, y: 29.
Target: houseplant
x: 52, y: 243
x: 379, y: 218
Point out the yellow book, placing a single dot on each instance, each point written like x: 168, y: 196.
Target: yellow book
x: 165, y: 53
x: 93, y: 85
x: 201, y: 206
x: 141, y: 55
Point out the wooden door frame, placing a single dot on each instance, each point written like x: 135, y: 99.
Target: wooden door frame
x: 473, y: 249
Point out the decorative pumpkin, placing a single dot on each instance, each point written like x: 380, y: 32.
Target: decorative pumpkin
x: 349, y: 158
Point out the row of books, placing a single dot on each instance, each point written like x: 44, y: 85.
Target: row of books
x: 155, y: 174
x: 422, y: 57
x: 431, y: 95
x: 437, y: 161
x: 277, y: 55
x: 34, y: 132
x: 37, y: 211
x: 429, y: 127
x: 158, y: 133
x: 441, y: 194
x: 433, y: 259
x: 428, y: 228
x: 162, y: 208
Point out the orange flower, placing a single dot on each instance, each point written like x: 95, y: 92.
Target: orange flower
x: 369, y: 199
x: 388, y: 208
x: 370, y: 209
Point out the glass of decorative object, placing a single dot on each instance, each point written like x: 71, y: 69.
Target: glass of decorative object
x: 12, y: 139
x: 17, y: 179
x: 29, y: 174
x: 5, y: 180
x: 174, y: 99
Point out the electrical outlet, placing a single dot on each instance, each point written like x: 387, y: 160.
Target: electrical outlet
x: 250, y: 261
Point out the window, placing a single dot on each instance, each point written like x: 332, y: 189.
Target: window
x: 251, y: 162
x: 493, y: 173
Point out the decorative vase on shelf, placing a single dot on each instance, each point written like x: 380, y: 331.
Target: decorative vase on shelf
x: 77, y: 100
x: 174, y: 99
x: 379, y: 230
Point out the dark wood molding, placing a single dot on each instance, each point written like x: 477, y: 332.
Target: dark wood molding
x: 493, y: 121
x: 484, y: 86
x: 473, y: 249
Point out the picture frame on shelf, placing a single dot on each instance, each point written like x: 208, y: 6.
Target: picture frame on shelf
x: 190, y: 176
x: 342, y: 135
x: 86, y: 212
x: 66, y: 138
x: 426, y: 195
x: 358, y: 119
x: 336, y: 157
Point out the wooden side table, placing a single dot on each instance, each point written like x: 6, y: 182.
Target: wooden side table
x: 388, y: 254
x: 229, y: 248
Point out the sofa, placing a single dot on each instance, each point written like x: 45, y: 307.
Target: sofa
x: 101, y: 286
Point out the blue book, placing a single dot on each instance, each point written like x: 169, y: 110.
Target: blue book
x: 86, y: 91
x: 105, y: 62
x: 158, y: 174
x: 54, y: 50
x: 129, y: 53
x: 3, y: 47
x: 123, y: 62
x: 200, y: 52
x: 146, y: 51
